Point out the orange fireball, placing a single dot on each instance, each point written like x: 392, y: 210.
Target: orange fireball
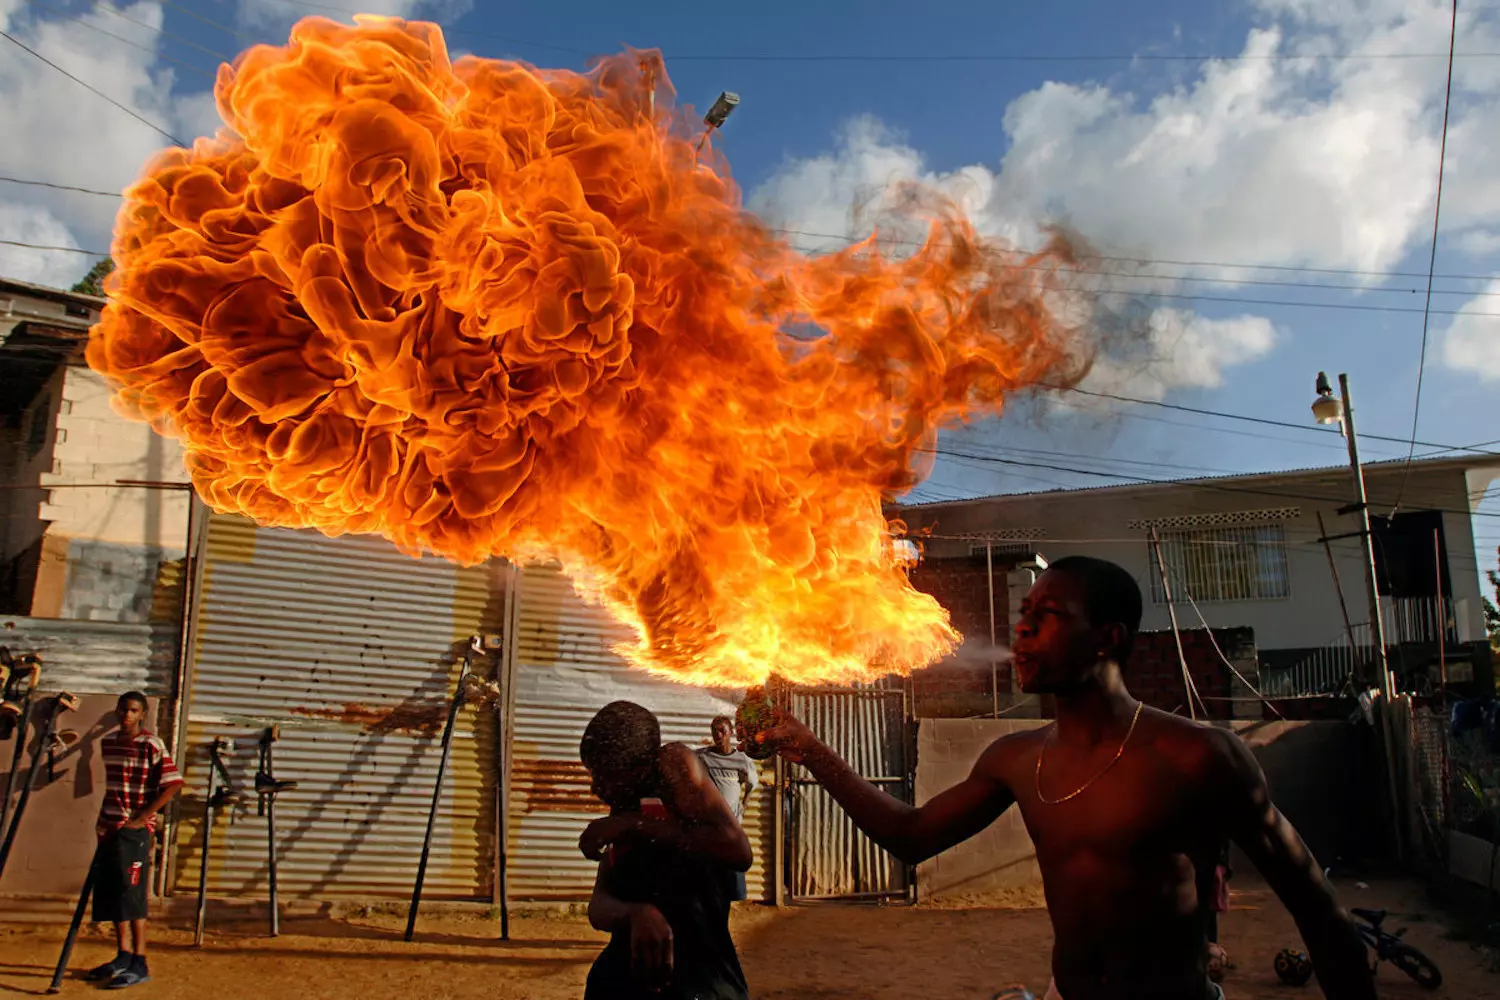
x: 485, y: 309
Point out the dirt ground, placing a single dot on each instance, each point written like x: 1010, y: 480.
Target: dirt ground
x: 958, y: 950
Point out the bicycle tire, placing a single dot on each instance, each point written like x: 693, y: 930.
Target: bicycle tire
x: 1416, y: 965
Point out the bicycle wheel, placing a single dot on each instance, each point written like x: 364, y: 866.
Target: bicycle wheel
x: 1415, y: 964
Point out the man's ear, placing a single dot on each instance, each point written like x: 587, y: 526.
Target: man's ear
x: 1114, y: 636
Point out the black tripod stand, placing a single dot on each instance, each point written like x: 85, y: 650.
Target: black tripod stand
x: 218, y: 796
x: 266, y: 790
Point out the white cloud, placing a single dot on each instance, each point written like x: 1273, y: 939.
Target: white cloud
x: 1472, y: 343
x: 67, y: 135
x: 1182, y: 348
x: 34, y: 224
x: 1323, y: 163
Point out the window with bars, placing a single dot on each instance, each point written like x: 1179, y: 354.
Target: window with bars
x: 1240, y: 563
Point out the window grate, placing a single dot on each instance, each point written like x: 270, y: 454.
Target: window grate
x: 1240, y: 563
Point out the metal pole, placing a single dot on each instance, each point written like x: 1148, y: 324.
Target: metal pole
x: 778, y: 833
x: 50, y: 723
x: 270, y: 738
x: 208, y: 839
x: 1166, y: 589
x: 989, y: 579
x: 15, y: 763
x: 1377, y: 625
x: 1338, y: 588
x: 1442, y: 617
x: 72, y: 938
x: 437, y: 797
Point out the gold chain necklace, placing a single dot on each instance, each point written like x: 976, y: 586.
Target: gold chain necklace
x: 1084, y: 787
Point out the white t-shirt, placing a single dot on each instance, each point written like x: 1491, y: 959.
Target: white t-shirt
x: 730, y: 772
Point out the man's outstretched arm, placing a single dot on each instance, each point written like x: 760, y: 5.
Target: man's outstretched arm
x: 911, y: 833
x: 1338, y: 953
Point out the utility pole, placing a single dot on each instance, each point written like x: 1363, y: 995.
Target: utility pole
x: 1333, y: 410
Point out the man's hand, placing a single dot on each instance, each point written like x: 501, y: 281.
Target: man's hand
x: 650, y: 943
x: 791, y: 738
x: 599, y: 834
x: 137, y: 822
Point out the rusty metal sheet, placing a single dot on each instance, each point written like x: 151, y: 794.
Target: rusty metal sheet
x: 353, y: 649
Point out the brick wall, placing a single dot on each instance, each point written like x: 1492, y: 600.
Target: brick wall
x: 1154, y: 673
x: 960, y: 686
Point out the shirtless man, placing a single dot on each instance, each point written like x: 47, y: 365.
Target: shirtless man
x: 1124, y: 803
x: 665, y: 852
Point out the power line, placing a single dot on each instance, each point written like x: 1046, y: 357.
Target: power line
x: 79, y: 19
x: 1143, y: 293
x: 1126, y: 479
x: 1158, y: 260
x: 1306, y: 428
x: 1437, y: 212
x: 109, y: 9
x: 60, y: 187
x: 1119, y: 274
x: 847, y: 57
x: 99, y: 93
x: 991, y: 454
x: 39, y: 246
x: 211, y: 22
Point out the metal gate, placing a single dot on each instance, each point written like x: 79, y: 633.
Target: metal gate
x: 870, y: 727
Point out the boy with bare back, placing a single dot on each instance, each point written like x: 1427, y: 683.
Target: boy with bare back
x: 665, y: 852
x: 1124, y: 803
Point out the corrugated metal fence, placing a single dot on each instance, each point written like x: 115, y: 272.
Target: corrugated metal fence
x: 89, y: 657
x: 564, y: 672
x: 352, y: 648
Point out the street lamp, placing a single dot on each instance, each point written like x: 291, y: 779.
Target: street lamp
x: 1331, y: 409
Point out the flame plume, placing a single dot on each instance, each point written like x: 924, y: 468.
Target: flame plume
x: 485, y: 309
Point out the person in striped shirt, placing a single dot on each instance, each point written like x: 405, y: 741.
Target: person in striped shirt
x: 140, y: 779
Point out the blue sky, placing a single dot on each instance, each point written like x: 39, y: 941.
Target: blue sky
x: 1251, y: 159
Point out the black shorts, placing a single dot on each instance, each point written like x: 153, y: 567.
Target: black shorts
x: 122, y: 876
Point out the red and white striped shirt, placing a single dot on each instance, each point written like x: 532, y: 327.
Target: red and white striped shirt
x: 135, y: 772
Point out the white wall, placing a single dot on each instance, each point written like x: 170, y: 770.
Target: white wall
x: 1097, y: 523
x: 97, y: 445
x: 111, y: 552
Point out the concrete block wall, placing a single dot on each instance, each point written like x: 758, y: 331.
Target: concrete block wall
x: 1323, y: 777
x: 111, y: 552
x: 97, y: 445
x: 1001, y: 857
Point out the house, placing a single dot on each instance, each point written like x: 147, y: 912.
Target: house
x: 1246, y: 552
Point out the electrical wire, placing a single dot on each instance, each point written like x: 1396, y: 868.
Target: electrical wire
x: 1130, y: 480
x: 79, y: 19
x: 60, y: 187
x: 99, y: 93
x: 1437, y: 212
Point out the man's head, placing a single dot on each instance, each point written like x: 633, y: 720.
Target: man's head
x: 723, y: 732
x: 620, y: 747
x: 131, y: 709
x: 1081, y: 614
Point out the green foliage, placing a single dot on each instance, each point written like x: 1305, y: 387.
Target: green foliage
x: 93, y: 282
